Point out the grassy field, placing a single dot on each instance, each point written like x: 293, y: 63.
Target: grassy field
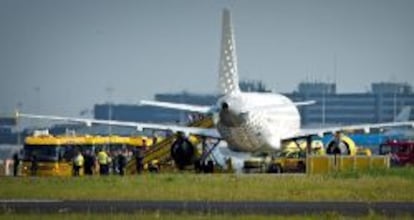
x: 379, y: 185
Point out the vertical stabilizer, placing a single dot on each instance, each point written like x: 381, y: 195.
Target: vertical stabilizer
x: 404, y: 114
x: 228, y: 75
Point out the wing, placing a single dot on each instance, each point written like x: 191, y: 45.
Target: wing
x: 206, y: 132
x: 365, y: 127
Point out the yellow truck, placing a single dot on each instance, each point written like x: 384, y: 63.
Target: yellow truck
x: 258, y: 163
x: 289, y: 161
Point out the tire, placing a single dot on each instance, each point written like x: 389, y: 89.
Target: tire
x: 301, y: 167
x: 279, y: 169
x: 275, y: 168
x: 263, y: 168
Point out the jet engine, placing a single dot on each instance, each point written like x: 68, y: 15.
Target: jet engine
x: 346, y: 146
x: 183, y: 151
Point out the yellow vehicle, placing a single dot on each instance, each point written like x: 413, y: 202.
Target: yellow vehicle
x: 289, y: 161
x: 258, y: 163
x: 344, y: 143
x: 265, y: 162
x: 48, y: 155
x: 317, y: 147
x: 363, y: 151
x: 142, y: 141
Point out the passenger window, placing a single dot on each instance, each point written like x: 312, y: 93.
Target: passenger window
x: 69, y: 153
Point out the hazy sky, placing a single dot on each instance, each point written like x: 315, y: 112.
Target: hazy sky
x: 59, y: 57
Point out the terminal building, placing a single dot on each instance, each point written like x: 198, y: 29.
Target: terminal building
x: 381, y: 104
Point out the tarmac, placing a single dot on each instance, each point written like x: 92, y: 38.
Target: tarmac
x: 240, y: 207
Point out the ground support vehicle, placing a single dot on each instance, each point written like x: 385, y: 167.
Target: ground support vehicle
x: 49, y: 155
x: 401, y: 152
x: 292, y: 162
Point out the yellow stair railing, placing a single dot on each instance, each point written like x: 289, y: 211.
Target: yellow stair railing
x: 162, y: 151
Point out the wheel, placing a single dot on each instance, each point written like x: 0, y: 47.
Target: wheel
x: 275, y: 168
x: 301, y: 167
x: 263, y: 168
x: 279, y: 169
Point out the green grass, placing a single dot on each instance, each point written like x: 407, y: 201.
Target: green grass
x: 376, y: 185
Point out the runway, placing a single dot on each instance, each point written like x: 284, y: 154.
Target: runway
x: 247, y: 207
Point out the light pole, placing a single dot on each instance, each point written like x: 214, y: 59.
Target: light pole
x: 37, y: 91
x: 323, y: 105
x: 109, y: 90
x: 37, y: 105
x: 396, y: 89
x: 18, y: 109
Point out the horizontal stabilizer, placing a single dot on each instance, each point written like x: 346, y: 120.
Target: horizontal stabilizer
x: 279, y: 106
x: 309, y: 102
x: 178, y: 106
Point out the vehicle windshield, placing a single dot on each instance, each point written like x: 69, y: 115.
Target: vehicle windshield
x: 117, y: 147
x: 386, y: 149
x: 283, y: 154
x: 42, y: 152
x: 68, y: 151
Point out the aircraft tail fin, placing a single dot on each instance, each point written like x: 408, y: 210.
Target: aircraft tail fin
x: 404, y: 115
x: 228, y: 74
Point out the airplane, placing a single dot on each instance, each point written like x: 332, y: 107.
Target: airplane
x: 404, y: 115
x: 248, y: 122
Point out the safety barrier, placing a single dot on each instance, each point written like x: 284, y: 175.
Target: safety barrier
x: 329, y: 164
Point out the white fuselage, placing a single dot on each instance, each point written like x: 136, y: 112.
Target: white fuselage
x: 253, y: 121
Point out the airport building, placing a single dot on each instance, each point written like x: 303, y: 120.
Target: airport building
x: 381, y: 104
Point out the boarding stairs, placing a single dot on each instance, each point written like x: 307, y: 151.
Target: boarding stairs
x: 161, y: 151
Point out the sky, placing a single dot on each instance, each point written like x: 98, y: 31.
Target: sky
x: 61, y: 57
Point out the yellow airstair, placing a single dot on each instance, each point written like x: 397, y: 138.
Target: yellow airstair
x: 161, y: 151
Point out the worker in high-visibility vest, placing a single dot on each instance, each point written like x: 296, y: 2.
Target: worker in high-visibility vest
x: 78, y: 163
x: 103, y: 160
